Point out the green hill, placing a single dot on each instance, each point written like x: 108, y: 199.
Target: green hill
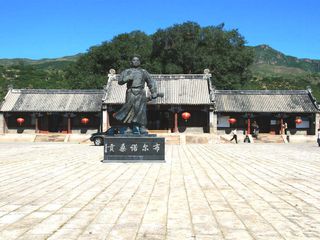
x: 45, y: 63
x: 271, y: 69
x: 270, y: 60
x: 266, y: 60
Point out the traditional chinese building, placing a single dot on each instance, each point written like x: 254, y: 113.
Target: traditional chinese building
x: 51, y: 111
x: 210, y: 110
x: 183, y: 93
x: 270, y: 109
x: 190, y: 104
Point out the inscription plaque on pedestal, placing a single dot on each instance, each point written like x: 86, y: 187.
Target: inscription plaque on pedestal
x: 133, y: 148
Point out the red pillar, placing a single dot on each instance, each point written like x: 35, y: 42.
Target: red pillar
x: 69, y: 125
x: 175, y: 128
x: 281, y: 126
x: 37, y: 124
x: 248, y: 130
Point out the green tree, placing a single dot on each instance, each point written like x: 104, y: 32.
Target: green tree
x: 188, y: 48
x: 91, y: 69
x: 182, y: 48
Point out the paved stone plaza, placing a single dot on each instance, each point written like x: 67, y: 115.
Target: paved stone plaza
x: 224, y: 191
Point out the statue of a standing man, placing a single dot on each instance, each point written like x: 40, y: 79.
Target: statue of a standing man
x: 133, y: 111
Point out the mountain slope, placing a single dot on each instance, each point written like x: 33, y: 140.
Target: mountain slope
x: 267, y: 56
x: 271, y: 70
x: 266, y: 59
x: 46, y: 63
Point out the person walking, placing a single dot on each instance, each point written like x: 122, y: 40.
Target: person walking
x: 255, y: 129
x: 235, y: 137
x: 318, y: 139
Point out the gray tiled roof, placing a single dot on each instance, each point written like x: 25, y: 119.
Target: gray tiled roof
x: 189, y: 89
x: 45, y: 100
x: 264, y: 101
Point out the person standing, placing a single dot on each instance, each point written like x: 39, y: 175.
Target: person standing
x: 255, y: 129
x: 235, y: 137
x: 318, y: 139
x: 285, y: 127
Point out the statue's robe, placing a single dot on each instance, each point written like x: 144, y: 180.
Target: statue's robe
x: 134, y: 109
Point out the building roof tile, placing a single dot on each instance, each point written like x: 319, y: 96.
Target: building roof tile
x: 189, y: 89
x: 264, y: 101
x: 46, y: 100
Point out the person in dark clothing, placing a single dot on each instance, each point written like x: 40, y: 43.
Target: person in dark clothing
x: 255, y: 127
x: 235, y: 136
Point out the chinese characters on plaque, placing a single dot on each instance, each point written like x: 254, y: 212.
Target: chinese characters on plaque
x: 124, y: 147
x: 134, y: 148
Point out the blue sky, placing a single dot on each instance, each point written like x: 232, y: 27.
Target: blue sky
x: 55, y: 28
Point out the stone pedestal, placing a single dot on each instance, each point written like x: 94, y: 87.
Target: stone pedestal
x: 131, y: 148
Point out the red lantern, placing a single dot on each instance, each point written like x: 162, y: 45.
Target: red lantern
x: 298, y: 121
x: 185, y: 116
x: 20, y: 120
x: 232, y: 120
x: 84, y: 120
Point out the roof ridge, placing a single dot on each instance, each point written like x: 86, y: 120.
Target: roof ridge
x: 50, y: 91
x: 171, y: 77
x: 271, y: 92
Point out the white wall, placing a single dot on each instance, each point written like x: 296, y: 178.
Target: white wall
x: 3, y: 126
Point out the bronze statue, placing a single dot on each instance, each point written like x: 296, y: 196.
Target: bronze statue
x: 133, y: 112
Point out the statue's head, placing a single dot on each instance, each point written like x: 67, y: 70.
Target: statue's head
x: 135, y: 61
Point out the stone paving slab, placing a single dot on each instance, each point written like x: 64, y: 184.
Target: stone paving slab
x: 227, y: 191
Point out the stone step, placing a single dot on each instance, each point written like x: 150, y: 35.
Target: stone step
x: 50, y: 138
x: 172, y: 139
x: 268, y: 138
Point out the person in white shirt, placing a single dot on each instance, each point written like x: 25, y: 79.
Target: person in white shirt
x: 285, y: 128
x: 235, y: 137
